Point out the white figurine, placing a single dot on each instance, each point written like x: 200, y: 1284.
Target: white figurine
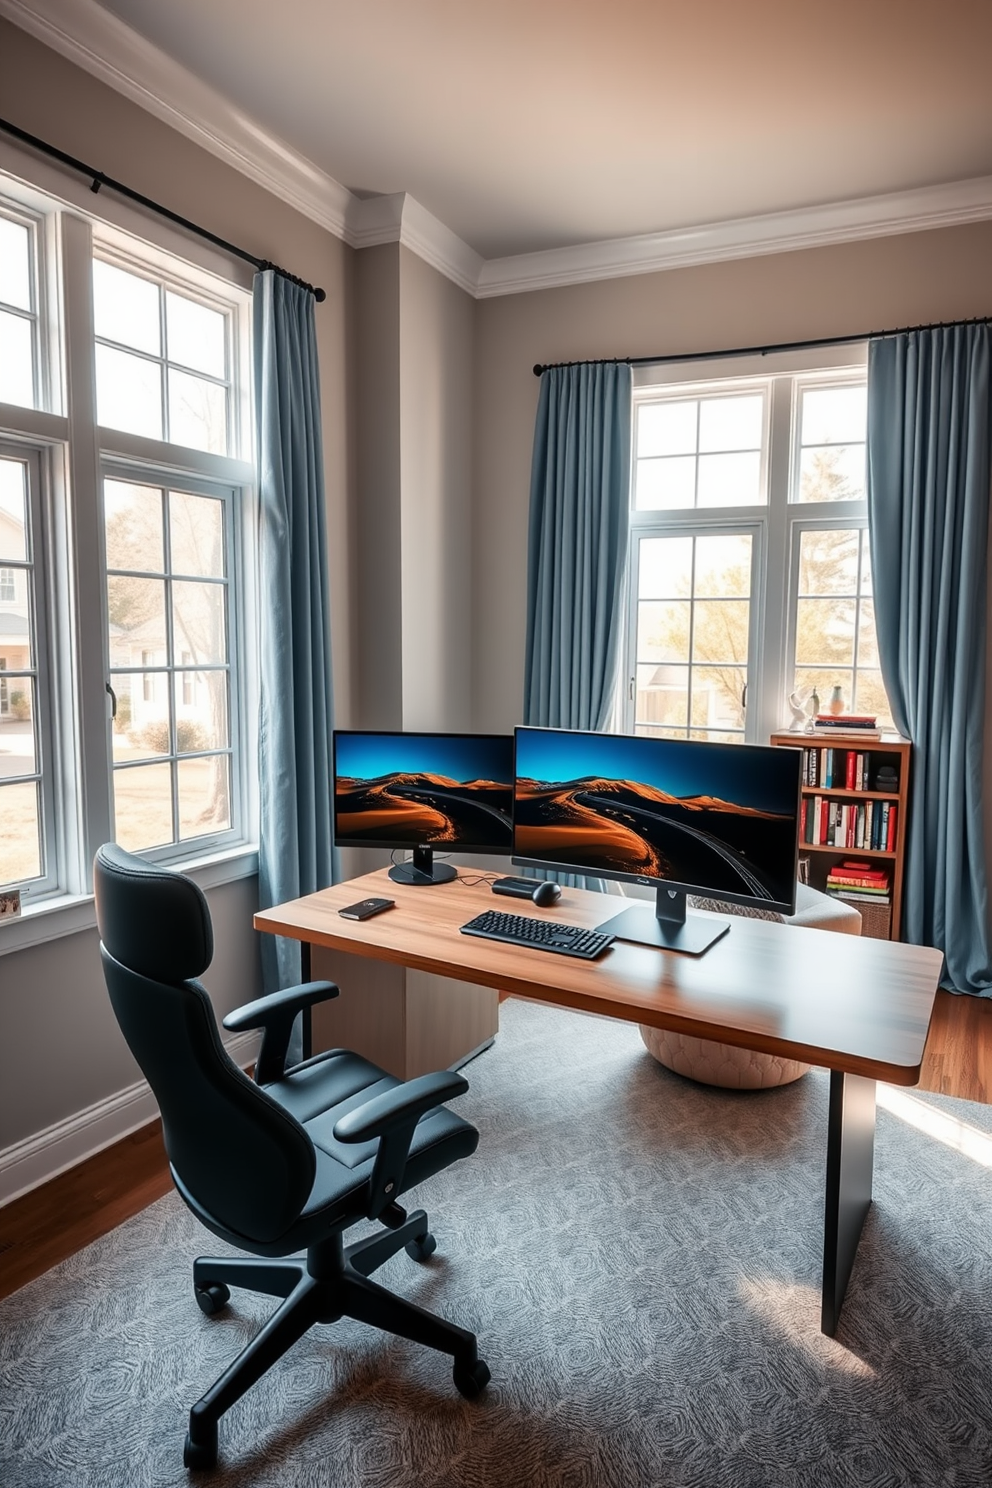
x: 798, y: 710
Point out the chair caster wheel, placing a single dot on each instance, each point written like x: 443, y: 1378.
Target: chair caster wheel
x: 421, y: 1250
x: 470, y: 1381
x: 200, y: 1456
x: 212, y: 1299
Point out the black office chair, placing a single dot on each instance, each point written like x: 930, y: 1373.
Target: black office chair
x: 283, y: 1164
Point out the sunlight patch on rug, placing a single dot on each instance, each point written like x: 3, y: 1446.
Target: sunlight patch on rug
x: 941, y: 1125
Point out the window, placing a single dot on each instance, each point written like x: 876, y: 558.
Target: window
x: 749, y: 566
x: 125, y: 551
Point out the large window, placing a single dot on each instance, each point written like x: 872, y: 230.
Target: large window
x: 750, y: 578
x: 125, y: 550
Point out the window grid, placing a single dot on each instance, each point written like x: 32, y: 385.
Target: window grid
x: 14, y: 315
x: 24, y: 848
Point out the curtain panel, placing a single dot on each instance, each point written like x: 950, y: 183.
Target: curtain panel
x: 929, y: 434
x: 295, y: 855
x: 579, y: 496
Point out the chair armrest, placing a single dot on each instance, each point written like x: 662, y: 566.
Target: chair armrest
x: 275, y: 1015
x: 393, y: 1118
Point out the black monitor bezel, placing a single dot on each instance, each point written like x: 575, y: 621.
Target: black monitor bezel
x: 409, y: 843
x: 646, y: 881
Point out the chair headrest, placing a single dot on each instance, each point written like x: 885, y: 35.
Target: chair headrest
x: 151, y: 919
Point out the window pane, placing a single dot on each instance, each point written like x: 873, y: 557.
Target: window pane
x: 870, y: 697
x: 136, y: 611
x: 197, y: 413
x: 666, y: 428
x: 832, y: 473
x: 867, y: 642
x: 834, y: 415
x: 665, y: 568
x: 15, y: 264
x: 13, y: 510
x: 719, y: 630
x: 16, y: 360
x: 663, y: 631
x: 198, y: 620
x: 197, y: 335
x: 201, y: 711
x: 716, y: 697
x: 133, y: 523
x: 204, y: 796
x: 663, y: 695
x: 128, y: 393
x: 20, y: 840
x: 141, y: 728
x: 825, y: 632
x: 730, y: 480
x: 665, y: 484
x: 196, y: 535
x: 828, y: 562
x: 723, y: 565
x: 18, y: 754
x: 731, y: 423
x: 126, y: 309
x: 143, y: 806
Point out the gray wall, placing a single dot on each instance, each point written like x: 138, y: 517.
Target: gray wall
x: 847, y: 289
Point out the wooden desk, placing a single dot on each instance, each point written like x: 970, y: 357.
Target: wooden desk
x: 861, y: 1008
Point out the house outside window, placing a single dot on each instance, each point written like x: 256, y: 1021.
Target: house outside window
x: 127, y: 712
x: 749, y: 569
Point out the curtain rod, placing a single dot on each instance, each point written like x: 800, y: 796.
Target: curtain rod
x: 712, y: 356
x: 99, y: 178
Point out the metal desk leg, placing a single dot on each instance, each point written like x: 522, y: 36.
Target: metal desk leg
x: 850, y: 1151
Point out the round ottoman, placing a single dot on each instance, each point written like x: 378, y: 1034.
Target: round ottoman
x: 713, y: 1063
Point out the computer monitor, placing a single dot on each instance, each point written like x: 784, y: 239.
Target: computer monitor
x: 683, y: 816
x: 422, y: 792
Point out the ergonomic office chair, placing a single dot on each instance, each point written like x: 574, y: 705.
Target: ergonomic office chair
x: 286, y: 1163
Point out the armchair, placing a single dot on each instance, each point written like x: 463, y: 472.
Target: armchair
x: 283, y: 1164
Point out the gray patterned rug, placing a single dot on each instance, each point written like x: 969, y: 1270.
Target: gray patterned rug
x: 640, y: 1258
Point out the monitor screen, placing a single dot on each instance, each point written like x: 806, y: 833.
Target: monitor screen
x: 715, y: 820
x: 445, y: 791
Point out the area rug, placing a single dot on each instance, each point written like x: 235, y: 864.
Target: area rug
x: 640, y: 1257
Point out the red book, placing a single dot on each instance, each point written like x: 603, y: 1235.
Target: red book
x: 890, y: 841
x: 865, y: 870
x: 852, y: 762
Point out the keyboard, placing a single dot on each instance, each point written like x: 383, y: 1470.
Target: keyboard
x: 540, y: 935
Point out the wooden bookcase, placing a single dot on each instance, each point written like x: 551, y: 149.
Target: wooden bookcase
x: 890, y: 750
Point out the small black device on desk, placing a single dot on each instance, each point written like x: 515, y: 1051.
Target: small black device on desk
x: 541, y: 894
x: 539, y: 935
x: 365, y: 909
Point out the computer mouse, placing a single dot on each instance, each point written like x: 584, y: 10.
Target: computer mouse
x: 546, y: 893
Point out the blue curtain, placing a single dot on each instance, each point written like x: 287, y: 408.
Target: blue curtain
x: 295, y: 855
x: 579, y: 496
x: 929, y: 434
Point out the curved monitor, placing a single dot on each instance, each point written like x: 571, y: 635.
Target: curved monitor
x: 423, y: 792
x: 720, y: 821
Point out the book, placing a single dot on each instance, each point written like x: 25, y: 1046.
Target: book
x: 847, y: 732
x: 845, y: 720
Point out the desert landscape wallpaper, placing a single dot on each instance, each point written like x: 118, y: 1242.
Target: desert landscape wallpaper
x: 721, y: 819
x: 410, y: 790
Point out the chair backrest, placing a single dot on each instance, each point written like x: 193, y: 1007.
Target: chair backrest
x: 243, y: 1159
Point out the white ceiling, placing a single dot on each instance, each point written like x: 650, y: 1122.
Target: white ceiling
x: 536, y: 124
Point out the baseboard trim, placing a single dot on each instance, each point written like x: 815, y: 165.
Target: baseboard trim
x: 38, y: 1158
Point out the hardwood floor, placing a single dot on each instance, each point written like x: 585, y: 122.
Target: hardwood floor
x: 59, y: 1218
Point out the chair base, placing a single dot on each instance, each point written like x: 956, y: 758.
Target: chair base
x: 330, y: 1283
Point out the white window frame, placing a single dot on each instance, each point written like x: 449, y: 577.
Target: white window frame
x: 776, y: 525
x: 71, y: 453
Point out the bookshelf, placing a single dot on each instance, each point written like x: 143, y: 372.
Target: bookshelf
x: 844, y: 804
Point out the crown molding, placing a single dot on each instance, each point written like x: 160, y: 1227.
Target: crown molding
x: 107, y: 48
x: 919, y: 210
x: 102, y: 45
x: 400, y: 218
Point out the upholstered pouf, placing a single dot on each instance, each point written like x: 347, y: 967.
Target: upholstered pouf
x: 713, y: 1063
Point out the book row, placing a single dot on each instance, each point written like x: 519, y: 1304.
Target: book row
x: 847, y: 769
x: 868, y: 825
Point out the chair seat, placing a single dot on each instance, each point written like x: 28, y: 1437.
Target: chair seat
x: 317, y: 1093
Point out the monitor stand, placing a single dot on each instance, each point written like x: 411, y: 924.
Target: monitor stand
x: 422, y: 869
x: 668, y: 926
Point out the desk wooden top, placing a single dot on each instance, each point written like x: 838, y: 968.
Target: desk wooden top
x: 858, y: 1005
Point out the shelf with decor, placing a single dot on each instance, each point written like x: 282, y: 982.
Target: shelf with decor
x: 855, y: 796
